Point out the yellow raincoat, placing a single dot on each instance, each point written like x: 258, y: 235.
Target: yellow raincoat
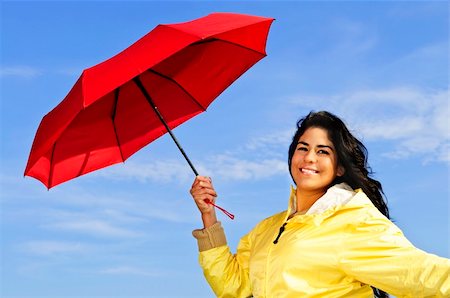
x: 340, y: 247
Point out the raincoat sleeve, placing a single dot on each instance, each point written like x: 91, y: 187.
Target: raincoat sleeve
x: 376, y: 252
x: 226, y: 273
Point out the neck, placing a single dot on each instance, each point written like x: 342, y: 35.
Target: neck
x: 305, y: 199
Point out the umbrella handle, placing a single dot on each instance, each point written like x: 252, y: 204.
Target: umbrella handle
x: 220, y: 208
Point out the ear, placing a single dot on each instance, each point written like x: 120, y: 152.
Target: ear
x: 340, y: 171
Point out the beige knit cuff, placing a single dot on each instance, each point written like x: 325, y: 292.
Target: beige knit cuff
x: 211, y: 237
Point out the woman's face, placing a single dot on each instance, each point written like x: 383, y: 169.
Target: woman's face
x: 314, y: 163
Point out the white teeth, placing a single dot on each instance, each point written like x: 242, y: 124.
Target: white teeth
x: 308, y: 171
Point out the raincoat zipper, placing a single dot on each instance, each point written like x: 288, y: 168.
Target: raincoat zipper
x: 282, y: 228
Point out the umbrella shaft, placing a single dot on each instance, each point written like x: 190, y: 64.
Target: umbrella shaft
x: 138, y: 82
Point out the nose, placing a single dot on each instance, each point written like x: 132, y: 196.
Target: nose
x: 310, y: 156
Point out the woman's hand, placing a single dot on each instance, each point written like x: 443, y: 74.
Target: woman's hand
x: 202, y: 190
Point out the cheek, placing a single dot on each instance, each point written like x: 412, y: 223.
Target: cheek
x: 294, y: 163
x: 334, y: 166
x: 296, y: 158
x: 328, y: 164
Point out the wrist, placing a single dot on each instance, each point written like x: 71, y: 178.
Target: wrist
x: 209, y: 219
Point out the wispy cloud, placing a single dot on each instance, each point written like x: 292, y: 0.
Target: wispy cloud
x: 70, y: 71
x: 422, y: 66
x: 19, y: 71
x: 98, y: 228
x: 159, y: 171
x: 415, y: 120
x: 48, y: 247
x: 269, y: 141
x: 29, y: 72
x: 72, y: 206
x: 432, y: 9
x: 131, y: 270
x: 230, y: 167
x: 437, y: 52
x: 352, y: 37
x: 110, y: 219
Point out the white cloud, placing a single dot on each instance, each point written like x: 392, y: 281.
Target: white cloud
x: 159, y: 171
x: 415, y: 121
x: 352, y: 37
x: 95, y: 221
x: 54, y: 247
x: 391, y: 129
x: 257, y: 159
x: 429, y: 9
x: 95, y: 228
x: 270, y: 140
x: 130, y: 270
x: 427, y: 53
x: 232, y: 168
x: 69, y: 207
x: 19, y: 71
x: 70, y: 71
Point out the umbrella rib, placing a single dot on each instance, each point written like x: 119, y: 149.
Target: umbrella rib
x: 84, y: 164
x: 50, y: 174
x: 202, y: 42
x: 212, y: 39
x: 113, y: 118
x: 181, y: 87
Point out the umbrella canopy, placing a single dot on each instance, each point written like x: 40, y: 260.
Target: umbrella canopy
x: 115, y: 107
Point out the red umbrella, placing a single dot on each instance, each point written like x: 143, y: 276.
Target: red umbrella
x: 122, y: 104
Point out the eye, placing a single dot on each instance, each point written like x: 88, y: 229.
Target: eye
x: 302, y: 149
x: 325, y: 152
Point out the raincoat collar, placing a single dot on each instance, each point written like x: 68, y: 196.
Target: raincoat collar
x: 336, y: 196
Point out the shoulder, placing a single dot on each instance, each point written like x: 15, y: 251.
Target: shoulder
x: 276, y: 218
x: 363, y: 218
x: 273, y: 221
x: 361, y: 207
x: 359, y: 211
x: 262, y: 228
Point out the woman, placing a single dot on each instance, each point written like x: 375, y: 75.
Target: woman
x: 334, y: 240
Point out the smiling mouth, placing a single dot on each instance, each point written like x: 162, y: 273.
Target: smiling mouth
x: 308, y: 171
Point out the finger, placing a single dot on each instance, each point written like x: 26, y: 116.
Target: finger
x: 199, y: 180
x: 203, y: 185
x: 204, y: 191
x: 198, y: 183
x: 197, y: 191
x: 196, y: 180
x: 202, y: 195
x: 202, y: 201
x: 203, y: 179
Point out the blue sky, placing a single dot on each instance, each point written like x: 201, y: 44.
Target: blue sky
x: 125, y: 231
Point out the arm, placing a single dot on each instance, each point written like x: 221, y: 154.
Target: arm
x: 377, y: 253
x: 227, y: 274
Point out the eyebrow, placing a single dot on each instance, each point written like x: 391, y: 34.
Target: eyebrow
x: 318, y: 146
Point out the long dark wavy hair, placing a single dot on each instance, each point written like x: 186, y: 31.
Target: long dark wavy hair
x: 351, y: 155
